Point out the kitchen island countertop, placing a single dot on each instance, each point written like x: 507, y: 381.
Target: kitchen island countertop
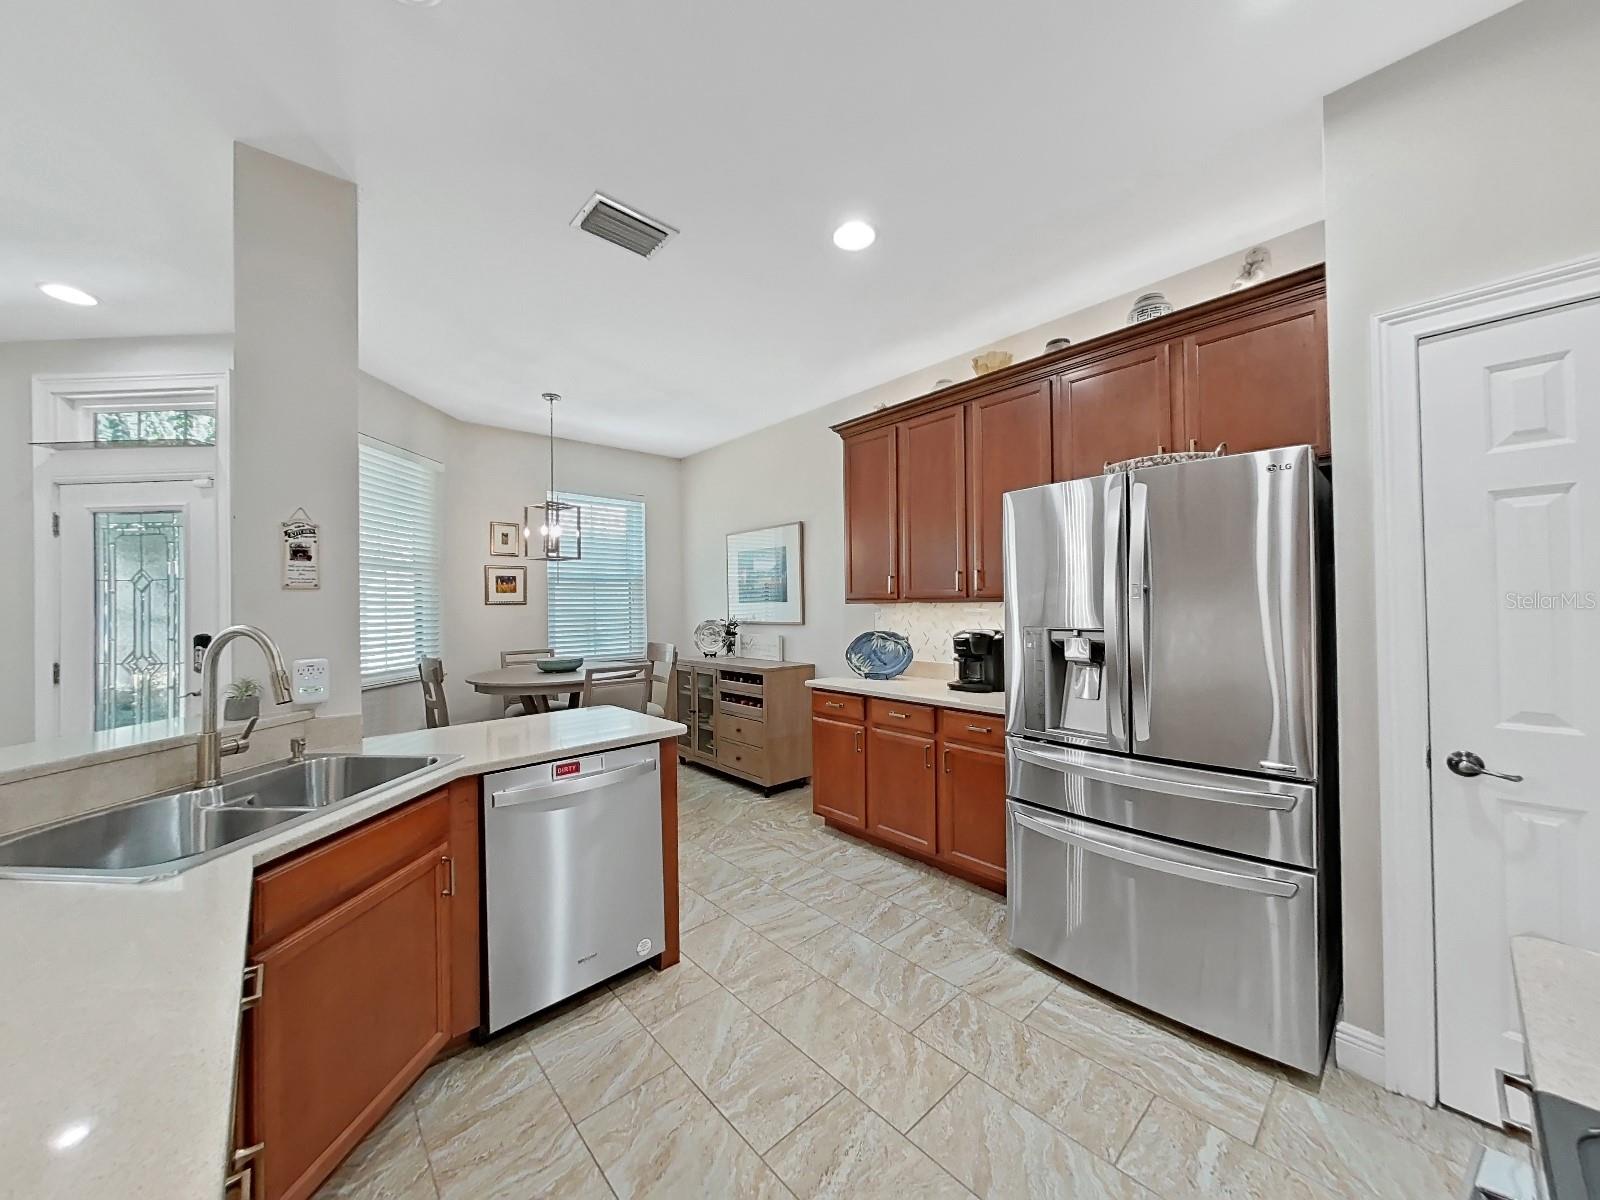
x: 122, y: 1001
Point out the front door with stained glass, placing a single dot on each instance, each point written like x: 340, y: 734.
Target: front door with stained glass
x: 138, y: 581
x: 140, y: 659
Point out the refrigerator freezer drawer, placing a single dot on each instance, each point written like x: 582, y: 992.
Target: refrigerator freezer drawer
x: 1264, y: 818
x: 1226, y: 946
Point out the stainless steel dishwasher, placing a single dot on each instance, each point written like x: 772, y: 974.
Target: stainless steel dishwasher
x: 572, y: 876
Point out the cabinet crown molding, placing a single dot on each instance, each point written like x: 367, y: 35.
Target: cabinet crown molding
x: 1306, y: 283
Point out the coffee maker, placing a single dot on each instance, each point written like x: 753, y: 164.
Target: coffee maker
x: 980, y: 661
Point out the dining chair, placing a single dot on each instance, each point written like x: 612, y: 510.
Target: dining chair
x: 663, y: 658
x: 514, y: 707
x: 626, y: 685
x: 435, y: 711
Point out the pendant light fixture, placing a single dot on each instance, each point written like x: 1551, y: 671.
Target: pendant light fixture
x: 552, y: 531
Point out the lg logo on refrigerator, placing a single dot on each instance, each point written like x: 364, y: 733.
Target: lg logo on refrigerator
x: 1272, y: 467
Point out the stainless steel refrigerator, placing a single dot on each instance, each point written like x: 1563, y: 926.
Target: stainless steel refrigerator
x: 1169, y: 749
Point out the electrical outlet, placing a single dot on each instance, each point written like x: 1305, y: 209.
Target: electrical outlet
x: 310, y: 678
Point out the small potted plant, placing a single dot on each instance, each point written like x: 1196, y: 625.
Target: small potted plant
x: 244, y: 700
x: 730, y: 636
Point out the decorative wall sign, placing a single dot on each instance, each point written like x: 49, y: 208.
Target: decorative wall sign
x: 765, y: 576
x: 761, y: 643
x: 505, y: 539
x: 505, y: 585
x: 302, y: 553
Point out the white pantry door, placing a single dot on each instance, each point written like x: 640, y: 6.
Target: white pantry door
x: 1511, y: 509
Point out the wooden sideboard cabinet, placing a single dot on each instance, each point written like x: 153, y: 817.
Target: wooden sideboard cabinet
x: 923, y: 480
x: 928, y: 782
x: 746, y: 718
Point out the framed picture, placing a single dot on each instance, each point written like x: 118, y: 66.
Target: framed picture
x: 764, y: 576
x: 505, y: 585
x: 505, y: 539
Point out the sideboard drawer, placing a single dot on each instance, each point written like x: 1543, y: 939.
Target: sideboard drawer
x: 742, y: 729
x: 746, y: 759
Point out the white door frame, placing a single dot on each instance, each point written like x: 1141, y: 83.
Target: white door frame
x: 56, y: 417
x: 1400, y: 645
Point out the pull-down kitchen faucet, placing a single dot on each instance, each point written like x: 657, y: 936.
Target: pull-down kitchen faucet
x: 213, y: 747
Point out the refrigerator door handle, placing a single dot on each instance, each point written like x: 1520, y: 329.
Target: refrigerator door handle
x: 1112, y: 847
x: 1115, y: 669
x: 1154, y: 783
x: 1139, y: 608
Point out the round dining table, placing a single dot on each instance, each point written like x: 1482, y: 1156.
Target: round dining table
x: 535, y: 687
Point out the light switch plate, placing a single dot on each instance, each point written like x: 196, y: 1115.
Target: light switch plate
x: 310, y: 678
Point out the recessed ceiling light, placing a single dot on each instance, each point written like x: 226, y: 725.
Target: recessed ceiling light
x: 68, y: 294
x: 419, y: 3
x: 854, y: 235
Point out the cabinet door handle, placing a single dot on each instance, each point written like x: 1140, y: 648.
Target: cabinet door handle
x: 243, y: 1175
x: 450, y: 875
x: 1160, y: 449
x: 888, y: 584
x: 958, y: 579
x: 947, y: 760
x: 977, y: 577
x: 255, y: 981
x: 927, y: 757
x: 898, y: 716
x: 980, y: 728
x: 858, y: 741
x: 832, y: 704
x: 1194, y: 444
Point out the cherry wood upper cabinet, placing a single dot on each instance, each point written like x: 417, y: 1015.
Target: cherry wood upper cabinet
x: 871, y: 516
x: 839, y: 771
x: 933, y: 506
x: 1260, y: 380
x: 1008, y: 447
x: 1115, y: 408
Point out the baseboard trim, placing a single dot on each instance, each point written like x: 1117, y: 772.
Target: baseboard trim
x: 1359, y: 1051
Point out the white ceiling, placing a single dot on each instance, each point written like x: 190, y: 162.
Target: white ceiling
x: 1020, y: 160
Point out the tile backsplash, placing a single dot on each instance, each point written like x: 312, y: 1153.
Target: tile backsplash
x: 931, y: 626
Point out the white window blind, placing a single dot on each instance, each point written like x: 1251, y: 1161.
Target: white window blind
x: 399, y: 562
x: 595, y: 605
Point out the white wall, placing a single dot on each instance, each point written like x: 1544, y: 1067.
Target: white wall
x: 1469, y: 162
x: 793, y: 471
x: 19, y: 363
x: 293, y: 440
x: 489, y: 475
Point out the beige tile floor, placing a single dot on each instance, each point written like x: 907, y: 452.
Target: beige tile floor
x: 845, y: 1023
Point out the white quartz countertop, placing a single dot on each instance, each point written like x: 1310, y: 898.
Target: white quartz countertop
x: 915, y: 690
x: 119, y: 1002
x: 1558, y: 987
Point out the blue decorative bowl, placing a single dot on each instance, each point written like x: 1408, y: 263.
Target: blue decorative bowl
x: 557, y: 665
x: 879, y: 655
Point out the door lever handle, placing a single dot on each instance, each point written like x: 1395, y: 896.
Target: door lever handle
x: 1469, y: 766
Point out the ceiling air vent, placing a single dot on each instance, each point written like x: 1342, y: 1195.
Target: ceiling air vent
x: 622, y: 226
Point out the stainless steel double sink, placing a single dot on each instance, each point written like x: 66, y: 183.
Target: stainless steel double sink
x: 165, y: 834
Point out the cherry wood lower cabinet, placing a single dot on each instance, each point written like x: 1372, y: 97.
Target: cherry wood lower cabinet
x: 839, y: 772
x: 367, y: 951
x: 929, y: 783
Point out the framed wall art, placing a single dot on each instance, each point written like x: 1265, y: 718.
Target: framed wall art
x: 505, y: 585
x: 765, y: 576
x: 505, y: 539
